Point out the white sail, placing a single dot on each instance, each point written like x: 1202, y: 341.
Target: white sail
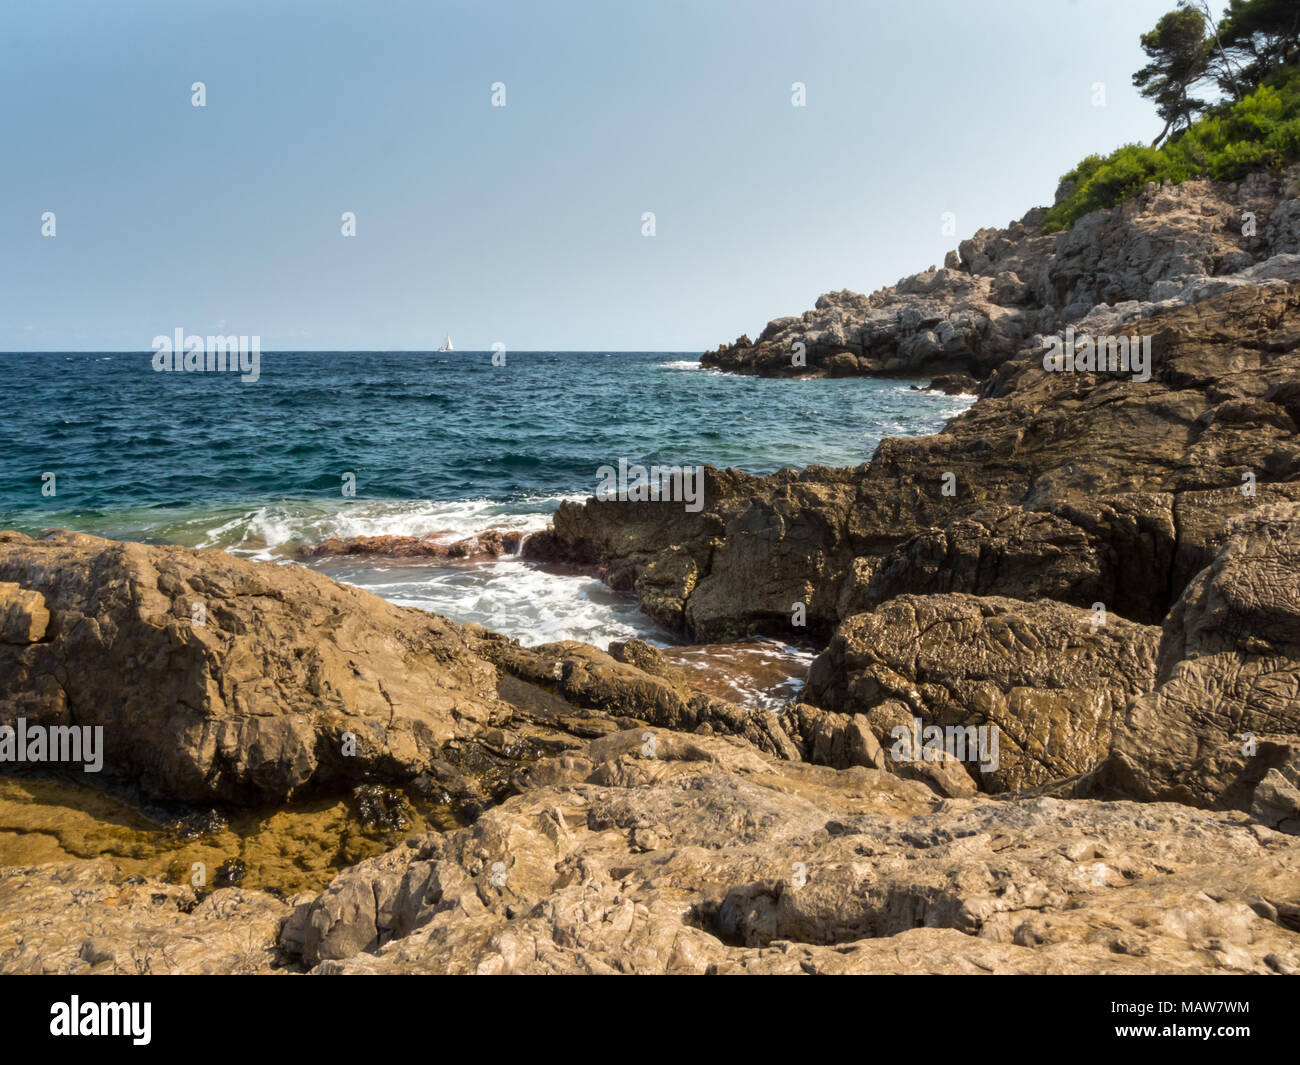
x: 446, y: 344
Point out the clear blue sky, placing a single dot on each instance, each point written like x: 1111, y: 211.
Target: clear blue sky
x: 522, y: 224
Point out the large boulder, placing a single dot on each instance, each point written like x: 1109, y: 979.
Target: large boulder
x: 1052, y: 680
x: 214, y: 677
x: 1226, y: 709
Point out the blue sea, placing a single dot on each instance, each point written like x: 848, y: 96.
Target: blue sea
x: 441, y: 444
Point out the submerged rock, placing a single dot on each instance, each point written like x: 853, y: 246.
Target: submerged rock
x: 198, y: 824
x: 380, y: 807
x: 230, y: 873
x: 491, y: 543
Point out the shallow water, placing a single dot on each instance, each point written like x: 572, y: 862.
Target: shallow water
x: 294, y: 848
x: 760, y: 671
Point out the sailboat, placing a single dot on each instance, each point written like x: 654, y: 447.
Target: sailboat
x: 446, y: 344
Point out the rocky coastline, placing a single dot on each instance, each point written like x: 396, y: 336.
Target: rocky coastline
x: 1103, y: 572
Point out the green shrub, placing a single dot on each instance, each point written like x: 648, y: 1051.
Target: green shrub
x: 1286, y: 139
x: 1260, y: 131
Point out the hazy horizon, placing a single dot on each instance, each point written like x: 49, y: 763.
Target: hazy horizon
x: 380, y: 351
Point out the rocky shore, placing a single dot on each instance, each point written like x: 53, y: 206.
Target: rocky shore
x: 1102, y: 572
x: 1001, y: 287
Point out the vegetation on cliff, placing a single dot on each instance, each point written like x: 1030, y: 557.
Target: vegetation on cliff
x: 1251, y: 56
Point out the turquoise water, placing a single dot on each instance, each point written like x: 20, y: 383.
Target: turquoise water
x: 438, y: 444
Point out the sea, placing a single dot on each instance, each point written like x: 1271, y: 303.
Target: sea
x: 415, y: 443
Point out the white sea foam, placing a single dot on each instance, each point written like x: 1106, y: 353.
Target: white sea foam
x: 271, y: 532
x: 527, y: 602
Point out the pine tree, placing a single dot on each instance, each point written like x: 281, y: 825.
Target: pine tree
x: 1180, y: 53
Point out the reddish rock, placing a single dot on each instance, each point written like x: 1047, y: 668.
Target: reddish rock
x: 490, y: 544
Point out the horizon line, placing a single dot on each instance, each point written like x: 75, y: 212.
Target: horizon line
x: 382, y: 351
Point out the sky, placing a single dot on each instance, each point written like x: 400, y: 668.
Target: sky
x: 523, y: 224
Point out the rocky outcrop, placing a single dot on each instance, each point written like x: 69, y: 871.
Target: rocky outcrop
x: 945, y: 320
x: 1226, y: 709
x: 216, y: 678
x: 1003, y: 286
x: 760, y: 538
x: 699, y: 854
x: 1082, y: 487
x: 624, y: 844
x: 1053, y: 680
x: 958, y: 576
x: 710, y: 859
x: 1200, y: 712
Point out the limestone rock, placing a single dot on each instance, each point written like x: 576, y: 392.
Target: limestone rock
x: 746, y: 877
x: 216, y: 678
x: 23, y: 617
x: 1050, y: 678
x: 1229, y: 672
x: 1180, y: 243
x: 81, y: 918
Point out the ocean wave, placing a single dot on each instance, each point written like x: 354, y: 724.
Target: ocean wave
x: 275, y: 530
x: 527, y: 603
